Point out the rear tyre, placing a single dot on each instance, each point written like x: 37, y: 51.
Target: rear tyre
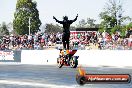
x: 73, y: 62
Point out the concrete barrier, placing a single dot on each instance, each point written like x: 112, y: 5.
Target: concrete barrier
x: 105, y: 57
x: 86, y: 57
x: 42, y: 57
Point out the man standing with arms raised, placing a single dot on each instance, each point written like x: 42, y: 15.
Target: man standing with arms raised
x: 66, y: 30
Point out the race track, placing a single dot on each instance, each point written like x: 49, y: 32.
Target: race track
x: 41, y: 76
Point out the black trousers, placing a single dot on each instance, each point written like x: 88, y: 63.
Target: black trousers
x: 65, y: 40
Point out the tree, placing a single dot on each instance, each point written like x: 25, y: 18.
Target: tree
x: 4, y: 29
x: 89, y: 23
x: 112, y: 16
x: 10, y: 27
x: 26, y: 10
x: 82, y: 23
x: 129, y: 26
x: 51, y: 28
x: 72, y: 28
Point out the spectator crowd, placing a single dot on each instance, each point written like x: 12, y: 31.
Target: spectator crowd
x: 84, y: 39
x: 37, y: 41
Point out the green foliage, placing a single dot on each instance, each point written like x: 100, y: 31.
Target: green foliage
x: 90, y: 23
x: 108, y: 21
x: 112, y: 18
x: 51, y: 28
x: 82, y: 23
x: 4, y: 29
x: 102, y: 27
x: 121, y: 29
x: 129, y: 26
x: 114, y: 29
x: 101, y: 30
x: 24, y: 10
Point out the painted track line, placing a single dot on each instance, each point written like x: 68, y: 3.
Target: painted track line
x: 33, y: 84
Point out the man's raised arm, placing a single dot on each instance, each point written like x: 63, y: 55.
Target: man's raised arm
x: 75, y: 18
x: 61, y: 22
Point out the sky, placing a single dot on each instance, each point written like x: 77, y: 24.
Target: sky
x: 59, y: 8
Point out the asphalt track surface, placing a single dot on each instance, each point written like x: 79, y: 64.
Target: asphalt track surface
x: 41, y: 76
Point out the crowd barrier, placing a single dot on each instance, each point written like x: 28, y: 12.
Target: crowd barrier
x: 86, y: 57
x: 42, y: 57
x: 105, y: 57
